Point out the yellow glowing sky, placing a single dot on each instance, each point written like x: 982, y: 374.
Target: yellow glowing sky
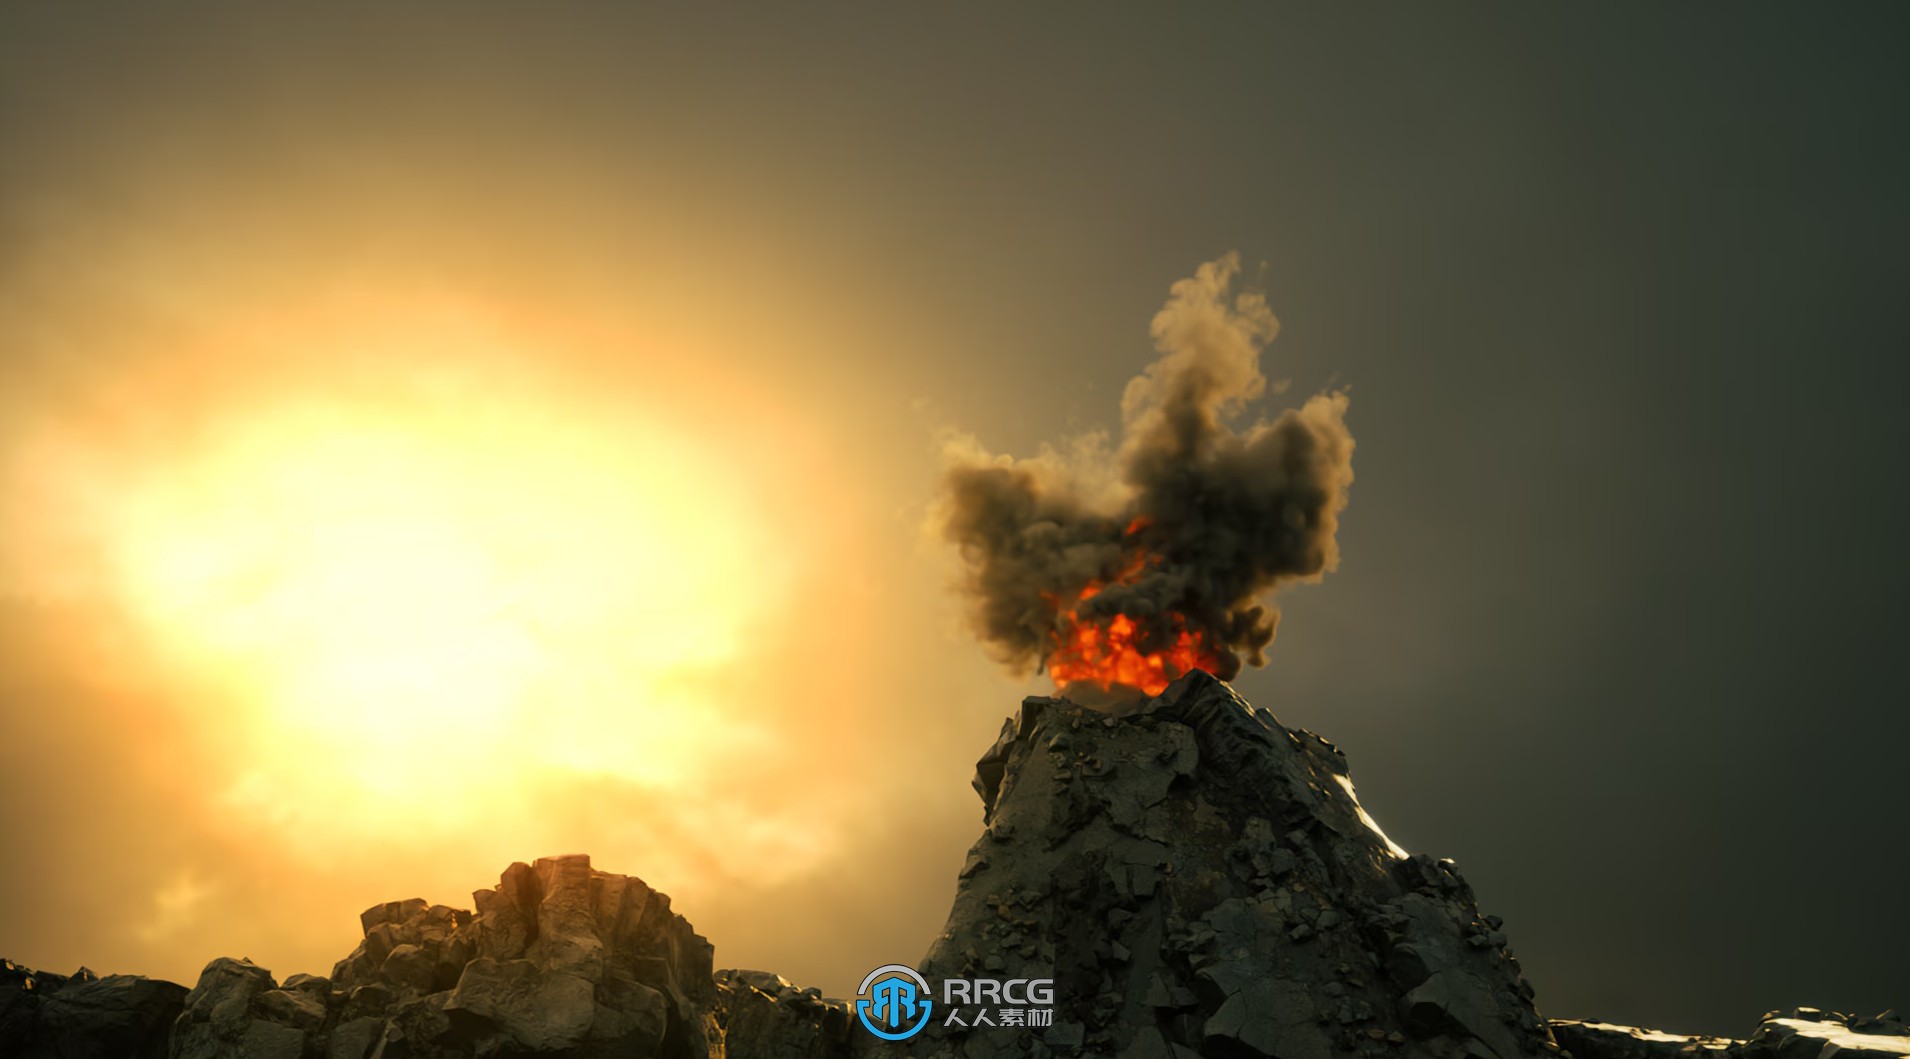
x: 403, y: 591
x: 390, y: 590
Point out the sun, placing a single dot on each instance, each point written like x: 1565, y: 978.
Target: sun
x: 443, y: 582
x: 398, y: 599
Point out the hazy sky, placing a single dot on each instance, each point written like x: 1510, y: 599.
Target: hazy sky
x: 436, y: 436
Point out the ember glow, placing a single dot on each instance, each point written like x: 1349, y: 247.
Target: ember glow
x: 1115, y: 653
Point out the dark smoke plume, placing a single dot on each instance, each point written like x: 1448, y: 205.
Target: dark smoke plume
x: 1223, y: 514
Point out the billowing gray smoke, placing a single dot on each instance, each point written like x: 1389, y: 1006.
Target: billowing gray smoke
x: 1186, y: 527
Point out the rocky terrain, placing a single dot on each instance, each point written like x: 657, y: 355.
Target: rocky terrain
x: 1801, y: 1033
x: 558, y: 959
x: 1199, y: 880
x: 1194, y: 878
x: 84, y: 1016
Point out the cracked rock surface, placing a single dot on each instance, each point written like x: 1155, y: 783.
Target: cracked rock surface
x: 1199, y: 880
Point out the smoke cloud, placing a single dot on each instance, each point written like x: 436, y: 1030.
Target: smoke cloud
x: 1185, y: 527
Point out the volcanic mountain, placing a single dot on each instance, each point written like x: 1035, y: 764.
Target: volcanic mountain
x: 1194, y: 879
x: 1197, y: 879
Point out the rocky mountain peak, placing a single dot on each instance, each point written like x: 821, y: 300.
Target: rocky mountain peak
x: 1197, y: 878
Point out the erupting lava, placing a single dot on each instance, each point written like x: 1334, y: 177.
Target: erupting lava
x: 1060, y: 574
x: 1115, y: 651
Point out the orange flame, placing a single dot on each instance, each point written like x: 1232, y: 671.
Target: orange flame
x: 1104, y: 652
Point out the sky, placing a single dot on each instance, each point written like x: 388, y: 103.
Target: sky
x: 435, y: 436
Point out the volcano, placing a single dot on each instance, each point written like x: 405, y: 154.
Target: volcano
x: 1197, y: 879
x: 1182, y: 875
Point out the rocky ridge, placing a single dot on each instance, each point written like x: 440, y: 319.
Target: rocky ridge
x: 1196, y: 879
x: 558, y: 959
x: 1800, y: 1033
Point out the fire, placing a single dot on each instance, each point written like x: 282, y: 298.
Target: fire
x: 1107, y: 652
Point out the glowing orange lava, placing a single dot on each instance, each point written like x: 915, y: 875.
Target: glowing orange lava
x: 1104, y: 652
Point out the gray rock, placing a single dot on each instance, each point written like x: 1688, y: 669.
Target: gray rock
x: 559, y: 957
x: 1603, y: 1040
x: 1265, y: 1019
x: 1455, y: 1002
x: 115, y: 1017
x: 1800, y: 1033
x: 765, y: 1017
x: 1192, y: 875
x: 571, y: 918
x: 1807, y: 1033
x: 536, y: 1009
x: 408, y: 968
x: 301, y: 1008
x: 219, y: 1020
x: 266, y: 1040
x: 354, y: 1038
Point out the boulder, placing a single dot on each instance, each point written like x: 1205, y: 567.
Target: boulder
x: 764, y: 1016
x: 85, y: 1016
x: 224, y: 1017
x: 539, y: 1010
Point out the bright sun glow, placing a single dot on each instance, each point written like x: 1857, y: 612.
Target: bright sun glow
x: 420, y: 605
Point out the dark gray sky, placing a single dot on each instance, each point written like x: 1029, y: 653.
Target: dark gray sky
x: 1617, y: 293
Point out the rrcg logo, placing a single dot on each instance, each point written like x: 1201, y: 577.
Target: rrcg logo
x: 896, y: 1002
x: 898, y: 994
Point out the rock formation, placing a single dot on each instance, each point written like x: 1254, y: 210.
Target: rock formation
x: 1195, y: 879
x: 559, y: 959
x: 84, y: 1016
x: 765, y: 1017
x: 1198, y: 880
x: 1801, y: 1033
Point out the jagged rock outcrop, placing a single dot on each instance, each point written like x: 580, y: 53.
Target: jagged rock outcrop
x: 764, y: 1016
x: 559, y: 959
x: 84, y: 1016
x: 1605, y: 1040
x: 1801, y: 1033
x: 1198, y: 880
x: 1810, y: 1033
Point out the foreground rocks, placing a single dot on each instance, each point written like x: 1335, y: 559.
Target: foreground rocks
x: 1195, y: 879
x: 84, y: 1016
x: 559, y: 959
x: 766, y: 1017
x: 1802, y: 1033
